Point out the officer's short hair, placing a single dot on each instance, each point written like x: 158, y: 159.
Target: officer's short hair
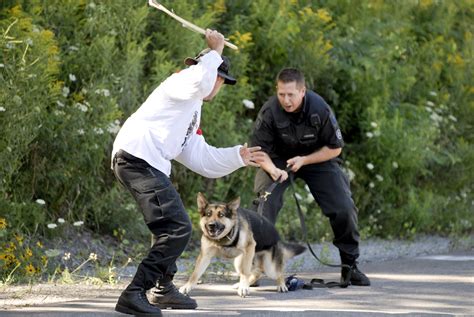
x: 288, y: 75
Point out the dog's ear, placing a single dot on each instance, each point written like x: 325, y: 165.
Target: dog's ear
x: 234, y: 204
x: 202, y: 202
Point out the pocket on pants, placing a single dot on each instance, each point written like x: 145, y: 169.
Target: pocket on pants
x: 157, y: 201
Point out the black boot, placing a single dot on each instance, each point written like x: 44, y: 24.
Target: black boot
x: 166, y: 295
x: 356, y: 278
x: 133, y: 301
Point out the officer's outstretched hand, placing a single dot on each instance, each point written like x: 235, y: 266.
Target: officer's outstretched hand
x: 295, y: 163
x: 251, y: 155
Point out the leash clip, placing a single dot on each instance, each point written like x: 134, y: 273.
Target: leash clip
x: 265, y: 195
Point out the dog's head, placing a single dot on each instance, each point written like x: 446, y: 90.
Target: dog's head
x: 217, y: 219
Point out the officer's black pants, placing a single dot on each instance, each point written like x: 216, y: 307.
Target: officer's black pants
x: 164, y: 215
x: 330, y: 188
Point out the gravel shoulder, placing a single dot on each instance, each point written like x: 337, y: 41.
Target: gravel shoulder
x: 373, y: 250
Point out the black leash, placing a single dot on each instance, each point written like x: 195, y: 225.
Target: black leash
x: 315, y: 282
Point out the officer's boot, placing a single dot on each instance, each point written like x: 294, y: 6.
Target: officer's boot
x: 355, y: 276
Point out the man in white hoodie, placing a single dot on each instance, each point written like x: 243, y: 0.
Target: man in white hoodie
x: 165, y: 128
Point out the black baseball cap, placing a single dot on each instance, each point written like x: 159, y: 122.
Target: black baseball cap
x: 223, y: 69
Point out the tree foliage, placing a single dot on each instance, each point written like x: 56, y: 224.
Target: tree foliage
x: 398, y: 75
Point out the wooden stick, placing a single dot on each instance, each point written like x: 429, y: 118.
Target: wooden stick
x: 184, y: 22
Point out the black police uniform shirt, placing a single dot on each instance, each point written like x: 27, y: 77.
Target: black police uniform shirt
x: 286, y: 135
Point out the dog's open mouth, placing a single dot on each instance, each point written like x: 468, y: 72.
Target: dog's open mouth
x: 214, y: 229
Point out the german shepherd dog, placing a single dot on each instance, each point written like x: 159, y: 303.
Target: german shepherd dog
x: 243, y: 235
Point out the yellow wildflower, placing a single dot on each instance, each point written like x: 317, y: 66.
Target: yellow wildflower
x: 426, y: 3
x: 10, y: 247
x: 28, y: 253
x: 324, y: 15
x: 10, y: 259
x: 39, y: 244
x: 19, y: 238
x: 3, y: 223
x: 30, y: 269
x: 44, y: 260
x: 327, y: 46
x: 219, y: 6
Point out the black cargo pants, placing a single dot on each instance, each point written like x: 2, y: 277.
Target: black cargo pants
x: 330, y: 188
x: 164, y: 215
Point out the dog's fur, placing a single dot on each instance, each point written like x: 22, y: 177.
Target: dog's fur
x: 233, y: 232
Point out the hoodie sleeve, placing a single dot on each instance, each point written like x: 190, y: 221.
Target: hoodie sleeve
x: 194, y: 82
x: 208, y: 160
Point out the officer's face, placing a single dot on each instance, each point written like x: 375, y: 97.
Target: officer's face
x: 290, y: 95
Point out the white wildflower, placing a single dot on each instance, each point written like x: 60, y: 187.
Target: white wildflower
x: 2, y: 109
x: 430, y: 103
x: 104, y: 92
x: 52, y: 225
x: 379, y: 177
x: 81, y: 107
x: 370, y: 166
x: 114, y: 127
x: 29, y: 42
x: 452, y: 118
x: 61, y: 220
x: 371, y: 185
x: 98, y: 131
x: 93, y: 257
x: 377, y: 133
x: 350, y: 173
x: 60, y: 104
x: 433, y: 93
x: 373, y: 124
x: 2, y: 65
x: 78, y: 223
x: 72, y: 77
x: 395, y: 164
x: 66, y: 91
x: 40, y: 201
x: 73, y: 48
x: 369, y: 135
x: 248, y: 104
x: 429, y: 109
x: 436, y: 117
x: 80, y: 132
x: 66, y: 256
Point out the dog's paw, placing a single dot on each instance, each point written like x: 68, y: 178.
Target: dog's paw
x: 243, y: 291
x: 185, y: 289
x: 282, y: 288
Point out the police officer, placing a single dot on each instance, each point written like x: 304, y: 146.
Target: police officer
x: 298, y: 129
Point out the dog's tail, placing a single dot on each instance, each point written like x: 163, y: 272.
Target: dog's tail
x: 291, y: 249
